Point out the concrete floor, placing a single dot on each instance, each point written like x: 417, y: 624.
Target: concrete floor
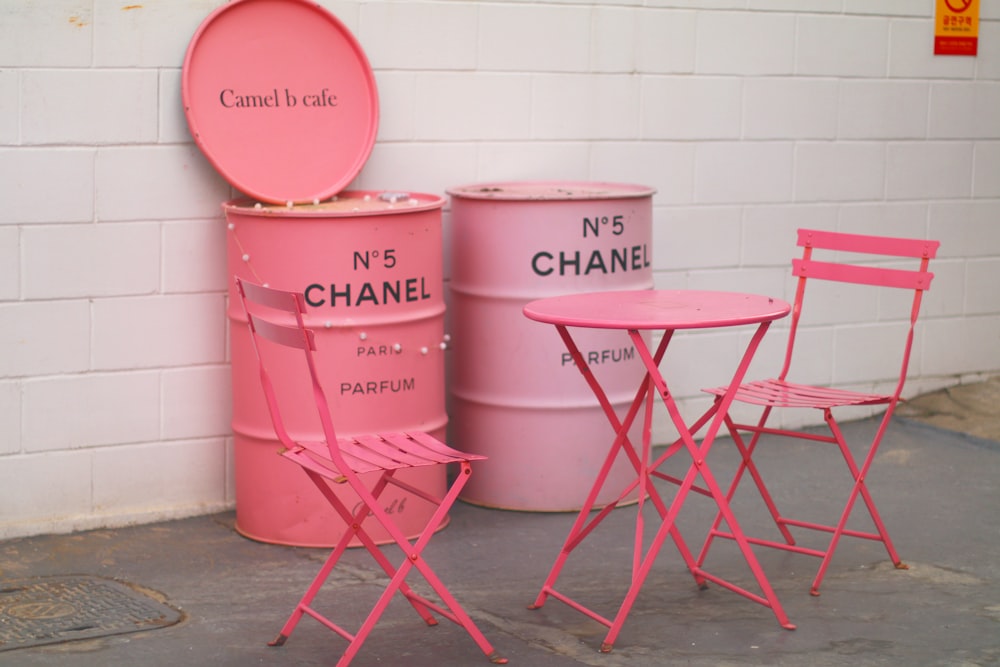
x: 937, y: 489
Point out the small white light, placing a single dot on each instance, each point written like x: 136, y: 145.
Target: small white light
x: 397, y: 347
x: 316, y: 202
x: 258, y: 205
x: 328, y: 324
x: 363, y: 336
x: 443, y: 346
x: 231, y: 226
x: 290, y: 204
x: 246, y: 258
x: 424, y: 350
x: 447, y: 338
x: 368, y: 197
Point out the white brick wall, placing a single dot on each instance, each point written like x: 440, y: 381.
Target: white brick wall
x: 750, y: 118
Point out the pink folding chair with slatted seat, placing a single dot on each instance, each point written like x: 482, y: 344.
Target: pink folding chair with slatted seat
x: 277, y: 318
x: 852, y: 256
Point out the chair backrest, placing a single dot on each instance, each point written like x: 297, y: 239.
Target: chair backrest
x: 855, y: 267
x: 278, y: 316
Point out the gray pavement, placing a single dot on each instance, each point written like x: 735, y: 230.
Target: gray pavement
x: 936, y: 485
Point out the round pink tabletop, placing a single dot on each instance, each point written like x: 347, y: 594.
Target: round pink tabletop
x: 656, y: 309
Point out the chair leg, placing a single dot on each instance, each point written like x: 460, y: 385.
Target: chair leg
x: 412, y: 557
x: 860, y: 488
x: 311, y: 592
x: 747, y: 465
x: 356, y: 522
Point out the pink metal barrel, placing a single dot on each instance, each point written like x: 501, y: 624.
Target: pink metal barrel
x: 369, y: 265
x: 514, y: 394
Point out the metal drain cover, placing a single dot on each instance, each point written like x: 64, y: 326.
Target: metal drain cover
x: 50, y: 610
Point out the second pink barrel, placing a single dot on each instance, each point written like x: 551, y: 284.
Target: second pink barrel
x: 514, y: 393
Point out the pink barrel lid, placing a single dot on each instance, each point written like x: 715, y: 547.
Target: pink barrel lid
x: 280, y: 98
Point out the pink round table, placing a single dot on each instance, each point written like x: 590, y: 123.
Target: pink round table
x: 666, y: 311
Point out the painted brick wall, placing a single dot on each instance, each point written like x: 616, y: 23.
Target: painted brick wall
x: 750, y: 118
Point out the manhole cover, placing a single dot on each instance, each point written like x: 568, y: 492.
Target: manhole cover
x: 50, y: 610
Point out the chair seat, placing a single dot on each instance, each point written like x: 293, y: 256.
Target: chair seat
x: 782, y: 394
x: 378, y: 451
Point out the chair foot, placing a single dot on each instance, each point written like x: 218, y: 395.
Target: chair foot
x: 788, y: 626
x: 814, y: 592
x: 278, y: 641
x: 606, y: 647
x: 497, y: 659
x: 432, y: 621
x: 902, y: 566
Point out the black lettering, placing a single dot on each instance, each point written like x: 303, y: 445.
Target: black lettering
x: 334, y: 294
x: 367, y: 293
x: 596, y: 263
x: 564, y: 262
x: 309, y: 299
x: 619, y: 259
x: 535, y: 266
x: 390, y: 290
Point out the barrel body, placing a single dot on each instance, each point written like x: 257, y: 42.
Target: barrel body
x: 514, y: 393
x: 370, y: 267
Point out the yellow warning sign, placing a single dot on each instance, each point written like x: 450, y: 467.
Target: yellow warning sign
x: 956, y: 28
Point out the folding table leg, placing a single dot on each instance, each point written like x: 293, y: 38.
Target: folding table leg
x: 700, y: 467
x: 582, y: 527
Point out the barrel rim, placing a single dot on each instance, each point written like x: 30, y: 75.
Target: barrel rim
x: 550, y: 191
x: 414, y: 202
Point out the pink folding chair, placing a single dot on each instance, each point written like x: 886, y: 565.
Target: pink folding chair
x: 277, y: 318
x: 782, y: 393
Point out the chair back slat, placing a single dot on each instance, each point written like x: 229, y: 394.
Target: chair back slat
x: 284, y: 335
x: 290, y: 302
x: 873, y: 245
x: 863, y: 275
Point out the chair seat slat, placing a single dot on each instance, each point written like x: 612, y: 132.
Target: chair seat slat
x: 415, y: 447
x: 436, y: 445
x: 394, y: 447
x: 787, y: 394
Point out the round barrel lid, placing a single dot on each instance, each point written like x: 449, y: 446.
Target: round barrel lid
x: 280, y: 98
